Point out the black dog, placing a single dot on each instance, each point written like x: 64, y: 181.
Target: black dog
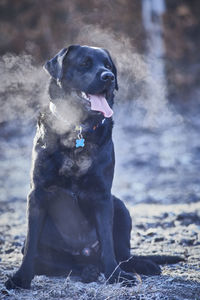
x: 74, y: 223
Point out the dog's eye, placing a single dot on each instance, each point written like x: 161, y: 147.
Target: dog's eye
x: 85, y: 63
x: 108, y: 66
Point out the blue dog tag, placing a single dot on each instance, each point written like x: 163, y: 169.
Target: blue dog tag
x: 80, y: 143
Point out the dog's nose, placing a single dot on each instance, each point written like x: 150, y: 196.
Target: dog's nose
x: 107, y: 76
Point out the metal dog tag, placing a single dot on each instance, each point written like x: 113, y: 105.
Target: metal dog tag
x: 80, y: 143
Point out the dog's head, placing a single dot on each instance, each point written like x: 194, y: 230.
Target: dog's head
x: 88, y: 71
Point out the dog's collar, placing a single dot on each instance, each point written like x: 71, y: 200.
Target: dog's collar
x: 80, y: 141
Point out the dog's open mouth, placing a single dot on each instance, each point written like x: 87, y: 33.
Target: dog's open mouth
x: 97, y: 103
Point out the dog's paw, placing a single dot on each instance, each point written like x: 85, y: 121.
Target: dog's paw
x: 17, y: 282
x: 90, y: 273
x: 127, y: 279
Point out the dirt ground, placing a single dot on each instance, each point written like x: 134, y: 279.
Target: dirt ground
x: 157, y: 174
x: 157, y: 229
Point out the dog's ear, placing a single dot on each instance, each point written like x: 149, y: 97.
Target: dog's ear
x: 114, y: 70
x: 54, y: 66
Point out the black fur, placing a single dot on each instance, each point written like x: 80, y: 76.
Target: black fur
x: 74, y: 223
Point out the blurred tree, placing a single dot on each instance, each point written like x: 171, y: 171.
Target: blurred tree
x: 182, y: 40
x: 41, y: 27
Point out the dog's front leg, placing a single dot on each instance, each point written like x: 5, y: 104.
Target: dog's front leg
x: 104, y: 224
x: 22, y: 278
x: 104, y: 227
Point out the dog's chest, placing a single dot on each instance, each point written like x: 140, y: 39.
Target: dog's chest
x: 75, y: 161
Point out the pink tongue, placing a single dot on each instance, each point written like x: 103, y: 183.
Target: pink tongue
x: 99, y: 103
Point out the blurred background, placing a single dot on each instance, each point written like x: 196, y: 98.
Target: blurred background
x: 155, y: 45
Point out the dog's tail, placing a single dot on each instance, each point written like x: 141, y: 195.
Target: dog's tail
x: 148, y: 265
x: 162, y: 259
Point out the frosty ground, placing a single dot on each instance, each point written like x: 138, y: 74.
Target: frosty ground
x: 157, y: 175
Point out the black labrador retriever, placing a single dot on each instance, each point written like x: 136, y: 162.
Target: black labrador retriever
x: 74, y: 222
